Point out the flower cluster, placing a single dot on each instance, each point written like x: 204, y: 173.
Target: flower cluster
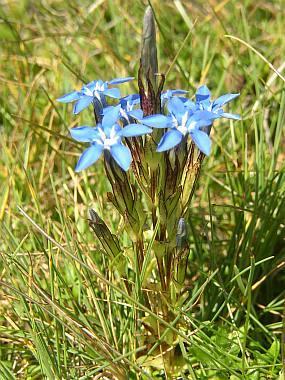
x: 180, y: 117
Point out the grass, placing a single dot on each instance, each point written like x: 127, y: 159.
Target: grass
x: 63, y: 312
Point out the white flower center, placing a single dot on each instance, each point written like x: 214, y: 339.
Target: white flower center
x: 182, y: 127
x: 87, y: 91
x: 108, y: 141
x: 100, y: 87
x: 124, y: 113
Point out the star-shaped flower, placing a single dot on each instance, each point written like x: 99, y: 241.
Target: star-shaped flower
x: 180, y: 122
x: 107, y: 136
x: 95, y: 90
x: 203, y: 102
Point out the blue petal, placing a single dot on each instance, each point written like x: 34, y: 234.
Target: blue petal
x: 120, y: 80
x: 83, y: 134
x: 202, y: 140
x: 135, y: 98
x: 205, y: 115
x: 176, y: 107
x: 112, y: 93
x: 92, y: 85
x: 89, y: 157
x: 136, y: 114
x: 111, y: 115
x: 169, y: 140
x: 132, y: 100
x: 178, y: 92
x: 170, y: 93
x: 156, y: 121
x: 203, y: 123
x: 121, y: 155
x: 201, y: 119
x: 70, y: 97
x: 82, y: 103
x: 230, y: 116
x: 132, y: 130
x: 202, y: 93
x: 224, y: 99
x: 189, y: 104
x: 106, y: 109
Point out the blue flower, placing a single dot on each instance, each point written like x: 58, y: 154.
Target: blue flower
x: 181, y: 121
x: 107, y: 136
x: 93, y: 91
x: 129, y: 108
x: 129, y: 111
x: 203, y: 102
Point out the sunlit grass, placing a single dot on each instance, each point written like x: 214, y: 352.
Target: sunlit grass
x: 63, y: 313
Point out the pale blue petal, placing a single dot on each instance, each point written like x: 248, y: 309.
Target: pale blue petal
x: 166, y: 95
x: 205, y: 104
x: 121, y: 155
x: 120, y: 80
x: 202, y: 93
x: 92, y: 85
x: 178, y: 92
x: 136, y: 114
x: 224, y: 99
x: 112, y: 93
x: 189, y: 104
x: 200, y: 119
x: 106, y: 109
x: 83, y: 134
x: 230, y: 116
x: 70, y: 97
x: 202, y: 140
x: 132, y: 99
x: 89, y: 157
x: 205, y: 115
x: 82, y: 103
x: 169, y: 140
x: 176, y: 107
x: 111, y: 115
x: 156, y: 121
x: 132, y: 130
x: 203, y: 123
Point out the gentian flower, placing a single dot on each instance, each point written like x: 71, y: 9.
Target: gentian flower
x: 129, y: 107
x: 203, y: 102
x: 128, y: 112
x: 181, y: 121
x: 93, y: 91
x: 107, y: 136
